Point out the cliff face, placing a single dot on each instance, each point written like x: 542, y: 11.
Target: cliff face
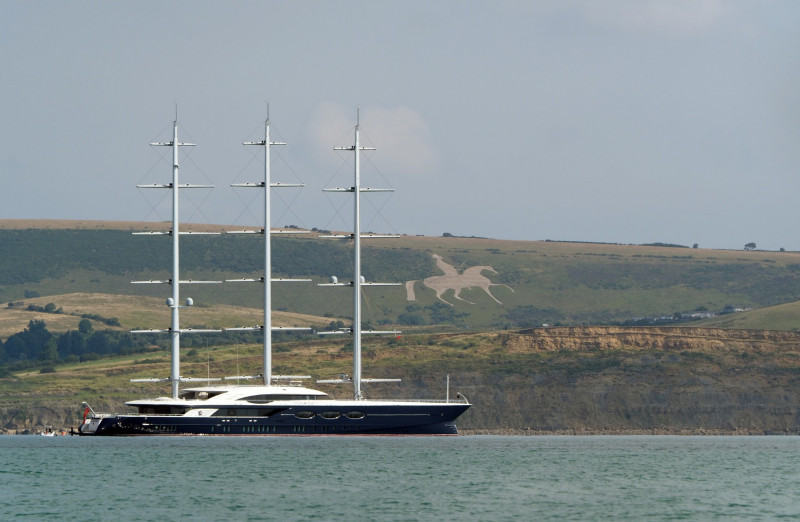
x: 568, y: 380
x: 630, y: 380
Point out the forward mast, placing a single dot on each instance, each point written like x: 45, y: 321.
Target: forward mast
x: 358, y: 280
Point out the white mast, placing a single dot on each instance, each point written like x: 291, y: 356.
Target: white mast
x: 358, y: 281
x: 174, y: 302
x: 175, y: 329
x: 357, y: 270
x: 267, y: 279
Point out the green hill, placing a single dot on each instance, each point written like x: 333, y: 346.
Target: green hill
x: 532, y: 282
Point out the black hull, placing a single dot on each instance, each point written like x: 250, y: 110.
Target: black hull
x: 376, y: 420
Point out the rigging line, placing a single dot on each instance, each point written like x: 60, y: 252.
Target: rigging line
x: 248, y: 204
x: 247, y: 208
x: 161, y: 156
x: 291, y: 299
x: 154, y: 201
x: 369, y: 308
x: 338, y: 208
x: 344, y: 155
x: 373, y: 166
x: 165, y: 131
x: 198, y: 207
x: 279, y: 157
x: 288, y: 208
x: 366, y: 158
x: 379, y: 213
x: 154, y: 207
x: 257, y: 134
x: 338, y: 214
x: 337, y: 172
x: 254, y: 159
x: 188, y: 157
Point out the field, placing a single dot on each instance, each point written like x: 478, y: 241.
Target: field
x: 136, y: 312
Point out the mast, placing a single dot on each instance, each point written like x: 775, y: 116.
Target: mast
x: 175, y: 329
x: 267, y: 359
x: 358, y: 281
x: 174, y: 302
x: 267, y: 185
x: 357, y: 269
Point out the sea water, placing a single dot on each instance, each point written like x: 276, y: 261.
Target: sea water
x: 400, y: 478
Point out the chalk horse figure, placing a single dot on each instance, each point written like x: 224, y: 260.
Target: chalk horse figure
x: 471, y: 278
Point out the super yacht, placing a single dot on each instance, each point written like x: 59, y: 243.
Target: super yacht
x: 281, y: 405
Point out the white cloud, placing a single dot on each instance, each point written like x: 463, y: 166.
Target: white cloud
x: 668, y: 17
x: 401, y: 135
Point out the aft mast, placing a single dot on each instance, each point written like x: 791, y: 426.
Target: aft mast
x: 267, y: 185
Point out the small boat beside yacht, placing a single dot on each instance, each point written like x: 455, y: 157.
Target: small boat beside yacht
x: 271, y: 408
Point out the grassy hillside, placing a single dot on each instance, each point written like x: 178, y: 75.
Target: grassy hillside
x: 136, y: 312
x: 535, y: 282
x: 778, y: 317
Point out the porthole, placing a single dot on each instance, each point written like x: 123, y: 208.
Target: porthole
x: 330, y: 414
x: 305, y: 414
x: 355, y: 414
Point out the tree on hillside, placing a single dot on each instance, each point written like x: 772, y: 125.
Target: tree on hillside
x: 410, y: 319
x: 49, y: 351
x: 85, y: 326
x: 750, y: 246
x: 441, y: 313
x: 29, y: 343
x: 72, y: 343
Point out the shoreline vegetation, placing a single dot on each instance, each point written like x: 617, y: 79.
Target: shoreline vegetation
x: 546, y: 381
x: 530, y: 433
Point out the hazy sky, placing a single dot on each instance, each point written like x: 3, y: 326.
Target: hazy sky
x: 617, y: 121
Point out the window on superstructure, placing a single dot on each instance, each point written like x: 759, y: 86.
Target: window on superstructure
x: 261, y: 399
x: 162, y: 410
x: 198, y: 395
x: 244, y: 412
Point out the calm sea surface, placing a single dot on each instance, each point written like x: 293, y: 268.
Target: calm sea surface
x: 400, y: 478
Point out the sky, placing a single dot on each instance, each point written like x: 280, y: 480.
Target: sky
x: 621, y: 121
